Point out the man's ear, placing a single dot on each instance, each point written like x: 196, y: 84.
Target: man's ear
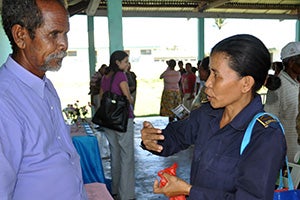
x: 248, y: 83
x: 19, y: 34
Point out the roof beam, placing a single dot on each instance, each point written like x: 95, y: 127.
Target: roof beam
x: 213, y: 4
x: 201, y: 15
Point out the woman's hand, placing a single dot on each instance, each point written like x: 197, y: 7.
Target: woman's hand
x: 174, y: 187
x: 150, y: 136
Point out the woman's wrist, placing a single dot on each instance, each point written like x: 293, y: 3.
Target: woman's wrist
x: 188, y: 190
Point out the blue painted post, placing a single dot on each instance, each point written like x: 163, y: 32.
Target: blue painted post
x: 297, y: 30
x: 201, y: 43
x: 91, y: 39
x: 92, y: 51
x: 4, y: 45
x: 115, y: 28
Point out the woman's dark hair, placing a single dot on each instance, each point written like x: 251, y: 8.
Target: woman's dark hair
x: 171, y: 63
x: 23, y: 12
x: 116, y: 56
x: 248, y: 57
x: 205, y: 64
x: 194, y: 69
x: 273, y: 82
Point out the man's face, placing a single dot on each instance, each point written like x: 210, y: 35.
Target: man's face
x: 296, y: 65
x: 47, y: 50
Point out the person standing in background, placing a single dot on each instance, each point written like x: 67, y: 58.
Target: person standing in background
x: 277, y: 67
x: 283, y: 102
x: 171, y: 93
x: 298, y: 122
x: 198, y: 83
x: 95, y: 85
x: 181, y: 68
x: 182, y: 71
x: 37, y: 156
x: 120, y: 143
x: 132, y: 83
x: 188, y: 81
x: 204, y: 72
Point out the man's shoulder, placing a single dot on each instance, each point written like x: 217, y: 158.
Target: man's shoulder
x: 6, y: 81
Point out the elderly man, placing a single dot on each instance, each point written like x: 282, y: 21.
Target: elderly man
x: 283, y: 102
x: 37, y: 157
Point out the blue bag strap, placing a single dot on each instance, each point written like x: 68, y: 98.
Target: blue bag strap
x: 246, y: 140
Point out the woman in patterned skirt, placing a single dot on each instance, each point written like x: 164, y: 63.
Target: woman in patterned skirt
x: 171, y: 93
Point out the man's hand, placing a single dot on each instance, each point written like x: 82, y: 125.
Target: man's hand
x: 150, y: 136
x: 174, y: 187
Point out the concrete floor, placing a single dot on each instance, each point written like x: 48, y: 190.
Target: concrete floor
x: 147, y: 165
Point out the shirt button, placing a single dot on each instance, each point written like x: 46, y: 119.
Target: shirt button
x: 58, y: 137
x: 51, y: 107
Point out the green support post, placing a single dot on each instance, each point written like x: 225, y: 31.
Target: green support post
x: 201, y: 43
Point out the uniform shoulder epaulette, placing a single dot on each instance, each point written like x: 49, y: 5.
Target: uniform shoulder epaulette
x: 265, y: 120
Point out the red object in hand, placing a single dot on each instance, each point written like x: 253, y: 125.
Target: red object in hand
x: 163, y: 181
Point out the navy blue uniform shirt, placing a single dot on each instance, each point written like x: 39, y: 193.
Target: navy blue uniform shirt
x: 218, y: 170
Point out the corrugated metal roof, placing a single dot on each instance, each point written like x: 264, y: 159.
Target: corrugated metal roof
x: 269, y: 9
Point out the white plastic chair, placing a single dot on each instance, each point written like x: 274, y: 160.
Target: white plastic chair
x: 295, y: 174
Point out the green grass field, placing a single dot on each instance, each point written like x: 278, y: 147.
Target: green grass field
x: 148, y: 97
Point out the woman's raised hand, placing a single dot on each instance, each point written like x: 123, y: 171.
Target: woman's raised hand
x: 150, y: 136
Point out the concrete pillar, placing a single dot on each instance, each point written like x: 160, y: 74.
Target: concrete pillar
x: 4, y: 45
x: 115, y: 28
x: 201, y: 43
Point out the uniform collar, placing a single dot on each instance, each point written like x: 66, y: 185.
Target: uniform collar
x: 29, y: 79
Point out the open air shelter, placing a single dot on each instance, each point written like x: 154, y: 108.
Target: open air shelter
x: 114, y: 10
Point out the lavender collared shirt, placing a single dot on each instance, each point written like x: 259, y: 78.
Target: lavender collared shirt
x: 37, y: 156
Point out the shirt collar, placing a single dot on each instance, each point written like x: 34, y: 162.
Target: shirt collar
x: 285, y: 75
x: 32, y: 81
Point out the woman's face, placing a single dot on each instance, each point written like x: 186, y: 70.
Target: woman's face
x: 202, y: 74
x: 224, y: 85
x: 123, y: 64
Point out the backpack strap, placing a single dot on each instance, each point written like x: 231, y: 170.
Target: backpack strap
x: 265, y: 119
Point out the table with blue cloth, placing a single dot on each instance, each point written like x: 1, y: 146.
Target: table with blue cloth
x: 86, y: 144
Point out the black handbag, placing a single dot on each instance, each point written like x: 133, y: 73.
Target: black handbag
x: 113, y: 112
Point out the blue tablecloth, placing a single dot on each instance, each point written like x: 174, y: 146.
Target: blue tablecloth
x: 90, y: 160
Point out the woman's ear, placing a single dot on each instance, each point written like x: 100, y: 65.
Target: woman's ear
x: 248, y: 83
x: 118, y: 63
x: 19, y: 34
